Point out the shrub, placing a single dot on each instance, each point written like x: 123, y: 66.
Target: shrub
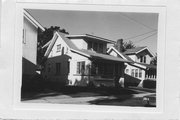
x: 149, y: 83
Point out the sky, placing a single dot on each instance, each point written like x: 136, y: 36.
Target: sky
x: 140, y: 28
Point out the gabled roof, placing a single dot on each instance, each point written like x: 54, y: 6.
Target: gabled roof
x: 28, y: 16
x: 134, y: 50
x: 136, y: 64
x: 91, y: 36
x: 67, y: 41
x: 148, y: 65
x: 122, y: 55
x: 143, y: 65
x: 138, y: 50
x: 49, y: 45
x: 73, y: 48
x: 46, y: 45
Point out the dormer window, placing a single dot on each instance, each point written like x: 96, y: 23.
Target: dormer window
x: 143, y: 59
x: 58, y: 48
x: 95, y: 46
x: 101, y: 48
x: 90, y: 45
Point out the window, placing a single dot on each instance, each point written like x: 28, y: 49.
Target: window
x: 90, y: 45
x: 136, y: 73
x: 80, y: 67
x: 144, y: 59
x: 101, y: 48
x: 58, y: 68
x: 62, y: 52
x: 68, y: 64
x: 141, y: 58
x: 132, y: 72
x: 58, y: 47
x: 95, y: 46
x: 24, y: 36
x: 67, y: 50
x: 127, y: 71
x: 140, y: 73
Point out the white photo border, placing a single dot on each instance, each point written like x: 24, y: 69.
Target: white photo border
x: 54, y: 111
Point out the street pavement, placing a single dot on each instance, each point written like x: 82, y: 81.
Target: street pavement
x: 89, y: 98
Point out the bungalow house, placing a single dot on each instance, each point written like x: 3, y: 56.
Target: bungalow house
x: 81, y: 60
x: 29, y: 44
x: 140, y: 58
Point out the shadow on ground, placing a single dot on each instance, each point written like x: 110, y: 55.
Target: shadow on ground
x: 118, y: 101
x: 74, y: 91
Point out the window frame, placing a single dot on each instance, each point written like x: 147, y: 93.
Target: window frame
x: 127, y: 71
x: 58, y: 48
x: 95, y: 46
x: 58, y: 68
x: 132, y: 72
x: 80, y: 67
x: 140, y: 73
x: 136, y: 73
x: 101, y: 49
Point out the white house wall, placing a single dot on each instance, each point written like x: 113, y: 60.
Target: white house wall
x: 133, y: 57
x: 130, y: 68
x: 73, y: 76
x: 29, y: 47
x: 67, y: 76
x: 148, y: 58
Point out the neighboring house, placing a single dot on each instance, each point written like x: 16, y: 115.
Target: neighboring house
x: 29, y: 44
x: 140, y: 58
x: 81, y: 60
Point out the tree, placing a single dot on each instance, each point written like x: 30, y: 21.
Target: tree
x: 43, y: 38
x: 128, y: 45
x: 154, y: 60
x: 124, y: 45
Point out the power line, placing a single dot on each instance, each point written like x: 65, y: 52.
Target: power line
x: 145, y: 38
x: 140, y: 35
x: 137, y: 21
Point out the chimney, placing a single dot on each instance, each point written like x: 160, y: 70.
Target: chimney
x: 119, y: 45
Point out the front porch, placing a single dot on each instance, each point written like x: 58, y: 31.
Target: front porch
x: 106, y: 73
x: 150, y: 73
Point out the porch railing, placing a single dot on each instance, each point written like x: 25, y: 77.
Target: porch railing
x: 151, y: 77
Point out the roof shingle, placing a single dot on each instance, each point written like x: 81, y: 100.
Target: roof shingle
x: 103, y: 56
